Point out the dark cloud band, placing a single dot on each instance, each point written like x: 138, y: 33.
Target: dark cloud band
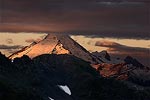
x: 128, y: 18
x: 10, y: 47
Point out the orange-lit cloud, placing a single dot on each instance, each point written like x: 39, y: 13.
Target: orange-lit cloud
x: 123, y: 49
x: 9, y: 41
x: 33, y: 40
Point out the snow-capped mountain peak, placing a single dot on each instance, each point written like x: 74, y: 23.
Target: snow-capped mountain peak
x: 56, y: 44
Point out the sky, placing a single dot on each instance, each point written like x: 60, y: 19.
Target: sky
x: 111, y: 18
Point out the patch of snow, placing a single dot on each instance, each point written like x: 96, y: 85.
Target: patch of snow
x: 50, y: 98
x: 65, y: 88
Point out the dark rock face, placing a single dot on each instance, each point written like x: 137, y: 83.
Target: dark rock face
x: 134, y: 62
x: 38, y: 79
x: 102, y: 54
x: 4, y: 60
x: 141, y: 74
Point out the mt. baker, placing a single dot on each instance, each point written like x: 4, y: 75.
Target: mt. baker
x: 56, y: 44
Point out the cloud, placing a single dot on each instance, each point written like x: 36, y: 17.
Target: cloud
x: 107, y: 44
x: 120, y: 4
x: 122, y: 35
x: 7, y: 52
x: 76, y: 16
x: 10, y: 47
x: 123, y: 49
x: 119, y: 50
x: 33, y: 40
x: 9, y: 41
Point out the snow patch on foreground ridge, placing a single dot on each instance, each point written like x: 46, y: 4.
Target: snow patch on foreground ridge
x: 50, y: 98
x: 65, y: 88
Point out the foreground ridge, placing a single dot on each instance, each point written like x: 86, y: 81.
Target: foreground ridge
x: 43, y: 77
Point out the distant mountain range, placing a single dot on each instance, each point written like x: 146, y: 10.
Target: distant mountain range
x: 40, y: 70
x: 102, y: 61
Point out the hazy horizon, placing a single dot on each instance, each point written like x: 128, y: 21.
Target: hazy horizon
x: 139, y: 49
x: 110, y: 18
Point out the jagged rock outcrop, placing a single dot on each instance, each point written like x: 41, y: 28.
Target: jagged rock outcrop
x: 118, y: 71
x: 134, y: 62
x: 128, y: 69
x: 103, y: 54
